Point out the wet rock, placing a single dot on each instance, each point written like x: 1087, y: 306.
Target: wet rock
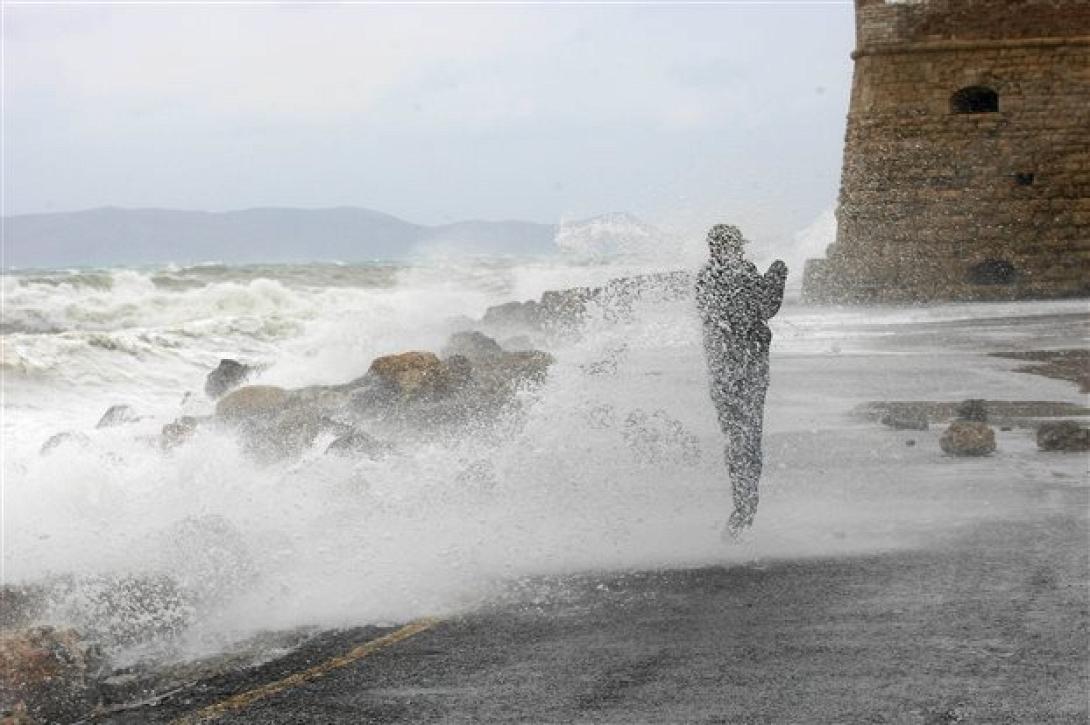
x: 502, y: 375
x: 284, y: 433
x: 658, y: 437
x: 400, y: 393
x: 464, y: 392
x: 295, y: 429
x: 64, y: 438
x: 411, y: 374
x: 358, y: 443
x: 565, y: 309
x: 905, y: 419
x: 973, y: 409
x: 372, y: 397
x: 117, y: 415
x: 472, y: 345
x: 1064, y: 435
x: 21, y: 604
x: 252, y: 402
x: 968, y: 438
x: 228, y: 375
x: 459, y: 371
x: 47, y: 675
x: 518, y: 315
x: 179, y: 431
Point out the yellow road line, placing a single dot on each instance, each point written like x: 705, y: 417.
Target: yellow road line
x: 244, y: 699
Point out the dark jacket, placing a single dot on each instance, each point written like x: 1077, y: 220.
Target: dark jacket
x: 736, y: 300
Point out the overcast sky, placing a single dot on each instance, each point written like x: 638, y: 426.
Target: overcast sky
x: 683, y: 115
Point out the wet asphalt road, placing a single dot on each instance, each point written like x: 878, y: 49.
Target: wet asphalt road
x: 988, y: 626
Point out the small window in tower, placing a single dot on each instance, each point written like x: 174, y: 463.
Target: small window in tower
x: 1024, y: 178
x: 975, y: 99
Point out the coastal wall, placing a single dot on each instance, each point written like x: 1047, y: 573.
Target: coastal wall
x: 967, y: 154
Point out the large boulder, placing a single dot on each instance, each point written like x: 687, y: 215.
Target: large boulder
x: 287, y: 434
x: 566, y: 308
x: 1064, y: 435
x: 47, y: 675
x: 516, y: 367
x: 273, y: 423
x: 472, y: 345
x: 252, y: 402
x: 228, y: 375
x: 459, y: 371
x: 411, y: 374
x: 514, y: 316
x: 496, y: 379
x: 418, y: 391
x: 968, y: 438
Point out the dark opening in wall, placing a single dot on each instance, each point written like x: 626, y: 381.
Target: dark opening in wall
x: 975, y: 99
x: 1024, y: 178
x: 992, y: 272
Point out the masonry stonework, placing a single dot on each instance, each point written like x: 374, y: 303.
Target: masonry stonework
x: 967, y: 155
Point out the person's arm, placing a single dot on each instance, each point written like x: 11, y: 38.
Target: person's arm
x: 772, y: 288
x: 705, y: 291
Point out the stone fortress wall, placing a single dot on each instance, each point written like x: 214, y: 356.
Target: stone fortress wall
x: 967, y: 156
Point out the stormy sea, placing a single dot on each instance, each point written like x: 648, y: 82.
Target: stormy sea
x: 610, y: 459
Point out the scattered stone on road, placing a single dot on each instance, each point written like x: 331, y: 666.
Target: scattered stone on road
x: 1064, y: 435
x: 968, y: 438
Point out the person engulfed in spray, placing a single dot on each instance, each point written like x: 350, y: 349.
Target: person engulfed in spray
x: 735, y: 301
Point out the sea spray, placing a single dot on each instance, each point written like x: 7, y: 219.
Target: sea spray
x: 566, y: 483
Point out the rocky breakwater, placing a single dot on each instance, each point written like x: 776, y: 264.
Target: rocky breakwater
x: 401, y: 396
x: 57, y: 637
x: 563, y: 312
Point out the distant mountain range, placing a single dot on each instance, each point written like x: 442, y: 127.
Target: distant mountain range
x: 110, y: 236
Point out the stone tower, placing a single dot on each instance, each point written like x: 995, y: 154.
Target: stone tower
x: 967, y: 155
